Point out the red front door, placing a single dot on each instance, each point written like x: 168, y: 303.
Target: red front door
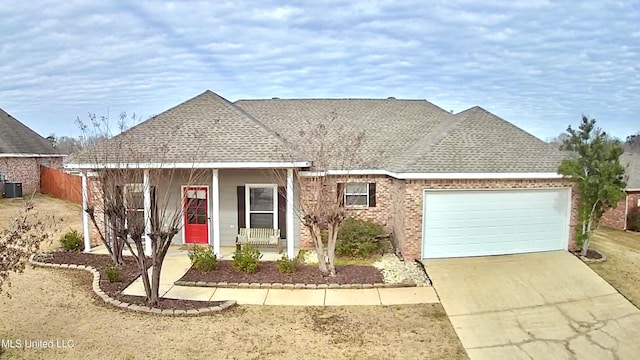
x: 196, y: 215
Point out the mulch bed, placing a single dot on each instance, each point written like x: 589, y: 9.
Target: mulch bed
x: 305, y: 274
x: 591, y: 254
x: 128, y: 273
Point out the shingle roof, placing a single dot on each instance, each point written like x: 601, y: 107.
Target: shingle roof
x: 390, y: 125
x: 633, y: 169
x: 482, y: 142
x: 404, y: 136
x: 17, y: 138
x: 415, y: 136
x: 206, y: 128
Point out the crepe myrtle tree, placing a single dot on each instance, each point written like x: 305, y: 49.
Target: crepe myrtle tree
x: 117, y: 211
x: 594, y: 163
x: 320, y: 208
x: 125, y: 224
x: 21, y: 239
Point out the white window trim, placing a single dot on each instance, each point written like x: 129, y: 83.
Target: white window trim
x: 247, y: 203
x: 127, y: 189
x: 344, y: 196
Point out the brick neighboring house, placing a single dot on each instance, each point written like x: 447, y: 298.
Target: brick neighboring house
x: 22, y: 151
x: 617, y: 217
x: 445, y: 185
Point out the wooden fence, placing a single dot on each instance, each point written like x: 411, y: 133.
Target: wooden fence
x: 61, y: 185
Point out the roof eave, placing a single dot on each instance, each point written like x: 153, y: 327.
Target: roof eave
x: 190, y: 165
x: 6, y: 155
x: 438, y: 176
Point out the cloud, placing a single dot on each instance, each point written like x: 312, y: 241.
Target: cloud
x: 538, y: 64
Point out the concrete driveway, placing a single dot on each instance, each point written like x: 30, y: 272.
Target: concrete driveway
x: 535, y: 306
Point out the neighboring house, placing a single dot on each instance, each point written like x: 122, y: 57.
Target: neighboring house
x: 445, y: 185
x: 22, y: 151
x: 617, y: 217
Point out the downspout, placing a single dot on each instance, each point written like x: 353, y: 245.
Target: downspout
x: 626, y: 210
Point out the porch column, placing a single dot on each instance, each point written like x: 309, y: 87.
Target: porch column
x: 146, y: 185
x: 215, y: 211
x: 290, y: 239
x: 85, y: 214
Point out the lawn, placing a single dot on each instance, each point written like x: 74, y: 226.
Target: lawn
x: 53, y: 304
x: 63, y: 214
x: 622, y: 267
x: 56, y: 304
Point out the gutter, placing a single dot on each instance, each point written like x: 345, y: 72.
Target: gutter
x: 436, y: 176
x: 30, y: 155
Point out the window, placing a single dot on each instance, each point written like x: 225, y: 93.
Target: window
x: 262, y: 206
x: 356, y: 194
x: 134, y: 203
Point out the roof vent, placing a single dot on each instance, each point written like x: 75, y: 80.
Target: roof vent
x: 391, y: 98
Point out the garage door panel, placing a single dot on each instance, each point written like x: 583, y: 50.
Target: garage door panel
x: 475, y: 223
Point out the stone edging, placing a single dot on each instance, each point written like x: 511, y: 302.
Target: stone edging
x: 224, y: 284
x: 133, y: 307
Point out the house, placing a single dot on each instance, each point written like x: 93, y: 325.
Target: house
x: 445, y: 185
x: 617, y: 217
x: 22, y: 151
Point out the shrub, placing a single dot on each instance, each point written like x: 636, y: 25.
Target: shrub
x: 72, y: 241
x: 359, y: 238
x: 203, y: 258
x: 246, y: 259
x: 113, y: 273
x: 286, y: 265
x: 633, y: 220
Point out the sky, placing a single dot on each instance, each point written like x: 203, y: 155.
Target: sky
x: 539, y: 64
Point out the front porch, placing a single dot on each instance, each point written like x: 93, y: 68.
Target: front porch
x: 212, y: 208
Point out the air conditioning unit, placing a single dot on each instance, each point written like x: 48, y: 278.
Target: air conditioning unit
x: 12, y: 190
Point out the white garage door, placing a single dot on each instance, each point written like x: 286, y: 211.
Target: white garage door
x: 494, y: 222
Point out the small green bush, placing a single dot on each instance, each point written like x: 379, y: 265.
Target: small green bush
x: 246, y: 259
x: 113, y: 274
x: 72, y: 241
x: 286, y: 265
x: 633, y: 220
x: 203, y: 258
x: 359, y: 238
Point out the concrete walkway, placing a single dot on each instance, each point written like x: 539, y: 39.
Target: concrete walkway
x: 176, y: 263
x: 535, y: 306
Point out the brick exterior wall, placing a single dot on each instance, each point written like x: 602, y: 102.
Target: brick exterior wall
x: 380, y: 214
x: 616, y: 217
x: 26, y: 170
x: 399, y: 205
x: 398, y: 191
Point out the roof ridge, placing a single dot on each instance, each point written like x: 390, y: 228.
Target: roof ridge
x: 286, y: 143
x: 438, y: 133
x: 17, y: 130
x: 332, y: 99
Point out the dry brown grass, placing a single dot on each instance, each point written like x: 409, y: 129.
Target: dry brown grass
x: 56, y: 304
x: 61, y: 215
x: 622, y: 267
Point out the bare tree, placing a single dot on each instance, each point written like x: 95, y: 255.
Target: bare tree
x: 557, y: 141
x: 118, y: 207
x: 20, y: 240
x: 335, y: 151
